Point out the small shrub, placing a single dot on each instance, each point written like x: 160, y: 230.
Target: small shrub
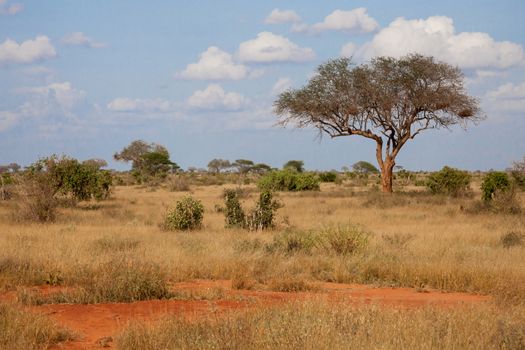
x: 494, y: 184
x: 233, y: 212
x: 449, y: 181
x: 288, y: 180
x: 263, y: 215
x: 178, y: 184
x: 328, y: 176
x: 187, y: 215
x: 37, y: 201
x: 290, y: 285
x: 512, y: 239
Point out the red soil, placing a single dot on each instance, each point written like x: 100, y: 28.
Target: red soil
x: 95, y: 324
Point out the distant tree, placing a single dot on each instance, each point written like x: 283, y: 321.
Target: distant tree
x: 243, y: 165
x: 216, y: 165
x: 387, y: 100
x: 518, y: 173
x: 297, y: 165
x: 363, y: 167
x: 261, y: 168
x: 96, y: 163
x: 148, y: 160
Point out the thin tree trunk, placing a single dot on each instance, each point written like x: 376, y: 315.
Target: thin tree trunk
x: 387, y: 175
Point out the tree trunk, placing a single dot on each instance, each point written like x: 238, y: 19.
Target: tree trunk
x: 387, y: 175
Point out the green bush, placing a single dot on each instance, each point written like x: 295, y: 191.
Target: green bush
x: 233, y: 212
x: 449, y: 181
x: 494, y: 183
x: 68, y: 176
x: 263, y: 215
x: 186, y: 215
x: 328, y: 176
x: 287, y: 180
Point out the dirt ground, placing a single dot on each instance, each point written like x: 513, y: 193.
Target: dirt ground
x: 96, y: 325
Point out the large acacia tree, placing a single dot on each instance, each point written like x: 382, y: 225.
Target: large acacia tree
x: 387, y: 100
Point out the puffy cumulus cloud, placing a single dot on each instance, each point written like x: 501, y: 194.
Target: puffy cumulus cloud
x: 56, y: 100
x: 508, y: 97
x: 7, y: 8
x: 124, y: 104
x: 269, y: 47
x: 28, y: 51
x: 348, y: 50
x: 214, y: 64
x: 214, y: 97
x: 435, y: 36
x: 7, y: 119
x: 354, y: 21
x: 80, y: 39
x: 281, y: 85
x: 46, y: 99
x: 282, y: 16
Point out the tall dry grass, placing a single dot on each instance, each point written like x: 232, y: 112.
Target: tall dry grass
x: 412, y: 240
x: 319, y: 326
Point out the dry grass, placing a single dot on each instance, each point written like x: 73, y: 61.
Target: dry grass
x: 319, y: 326
x: 25, y: 330
x: 413, y: 239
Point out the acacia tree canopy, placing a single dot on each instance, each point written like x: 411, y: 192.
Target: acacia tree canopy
x: 387, y: 100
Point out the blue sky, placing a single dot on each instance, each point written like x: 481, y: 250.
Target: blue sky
x: 87, y: 77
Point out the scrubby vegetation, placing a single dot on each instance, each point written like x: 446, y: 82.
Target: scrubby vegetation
x: 186, y: 215
x: 289, y: 180
x: 449, y: 181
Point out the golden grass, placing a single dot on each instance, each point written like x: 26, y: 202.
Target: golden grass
x: 24, y: 330
x: 313, y: 325
x: 414, y: 240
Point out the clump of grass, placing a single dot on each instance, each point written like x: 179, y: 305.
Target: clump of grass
x: 178, y: 184
x: 398, y: 240
x: 321, y: 326
x: 338, y: 240
x: 512, y: 239
x: 291, y: 284
x: 24, y: 330
x: 114, y: 244
x: 119, y: 280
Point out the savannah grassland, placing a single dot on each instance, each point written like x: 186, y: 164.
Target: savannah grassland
x: 116, y: 251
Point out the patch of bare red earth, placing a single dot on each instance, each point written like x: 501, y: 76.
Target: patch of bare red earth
x: 97, y: 324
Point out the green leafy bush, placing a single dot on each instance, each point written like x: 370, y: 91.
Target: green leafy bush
x: 263, y: 215
x: 186, y: 215
x: 494, y: 183
x: 449, y: 181
x: 328, y: 176
x: 233, y: 212
x: 288, y: 180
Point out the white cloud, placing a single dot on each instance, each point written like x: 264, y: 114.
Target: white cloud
x: 507, y: 98
x: 124, y: 104
x: 435, y: 36
x: 281, y: 85
x: 215, y: 64
x: 10, y: 9
x: 282, y: 16
x: 80, y: 39
x: 28, y: 51
x: 348, y: 50
x: 269, y: 47
x: 56, y: 99
x: 354, y: 21
x: 214, y: 97
x: 7, y: 119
